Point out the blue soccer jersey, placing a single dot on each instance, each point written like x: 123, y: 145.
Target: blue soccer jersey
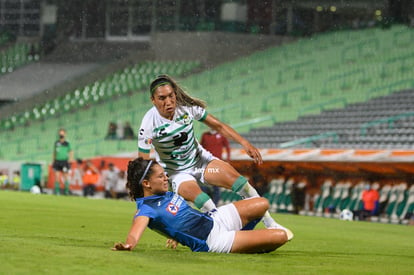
x: 171, y: 215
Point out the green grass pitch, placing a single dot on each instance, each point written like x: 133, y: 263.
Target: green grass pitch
x: 45, y: 234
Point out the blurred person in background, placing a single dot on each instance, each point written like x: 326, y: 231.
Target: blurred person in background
x: 16, y: 180
x: 112, y: 130
x: 90, y: 179
x: 4, y: 180
x: 77, y: 172
x: 110, y: 178
x: 119, y: 189
x: 62, y: 156
x: 370, y: 203
x: 128, y: 131
x: 119, y: 130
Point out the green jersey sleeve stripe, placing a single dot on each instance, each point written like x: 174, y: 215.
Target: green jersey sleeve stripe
x: 204, y: 116
x: 144, y: 150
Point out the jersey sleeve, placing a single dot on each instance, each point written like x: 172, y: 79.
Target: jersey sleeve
x: 199, y: 113
x: 145, y: 136
x: 146, y: 211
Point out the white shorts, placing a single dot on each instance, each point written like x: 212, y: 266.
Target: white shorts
x: 196, y: 173
x: 226, y: 222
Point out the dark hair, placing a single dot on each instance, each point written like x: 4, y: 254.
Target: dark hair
x: 183, y: 98
x: 136, y: 169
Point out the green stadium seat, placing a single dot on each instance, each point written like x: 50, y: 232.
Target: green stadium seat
x: 355, y: 203
x: 323, y: 201
x: 400, y: 202
x: 345, y: 197
x: 337, y: 190
x: 285, y: 204
x: 391, y: 204
x: 276, y: 188
x: 408, y: 210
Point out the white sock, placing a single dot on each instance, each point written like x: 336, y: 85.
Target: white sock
x: 248, y: 191
x: 269, y: 222
x: 208, y: 206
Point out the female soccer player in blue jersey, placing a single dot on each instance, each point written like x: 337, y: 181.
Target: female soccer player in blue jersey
x: 169, y: 214
x: 168, y: 127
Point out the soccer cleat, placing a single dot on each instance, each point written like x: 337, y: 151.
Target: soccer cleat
x: 289, y: 234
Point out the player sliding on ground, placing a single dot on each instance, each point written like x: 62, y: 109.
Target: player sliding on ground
x: 168, y: 127
x: 224, y: 230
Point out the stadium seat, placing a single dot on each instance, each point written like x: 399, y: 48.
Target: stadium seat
x: 345, y: 197
x: 391, y: 204
x: 323, y: 201
x: 400, y: 202
x: 408, y: 210
x: 276, y: 192
x: 355, y: 203
x: 286, y: 204
x: 334, y: 206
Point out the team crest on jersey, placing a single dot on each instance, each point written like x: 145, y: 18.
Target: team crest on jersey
x: 148, y: 141
x: 172, y: 208
x: 186, y: 119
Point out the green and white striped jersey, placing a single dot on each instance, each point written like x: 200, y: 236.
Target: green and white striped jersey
x: 173, y: 140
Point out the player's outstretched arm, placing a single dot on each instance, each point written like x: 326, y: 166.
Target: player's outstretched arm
x: 134, y: 235
x: 230, y: 133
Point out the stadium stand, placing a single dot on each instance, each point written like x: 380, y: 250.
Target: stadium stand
x: 85, y: 113
x: 298, y: 77
x: 383, y: 122
x: 18, y: 55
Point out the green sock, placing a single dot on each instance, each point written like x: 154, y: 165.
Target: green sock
x: 204, y: 202
x: 66, y: 187
x: 57, y: 187
x: 242, y: 187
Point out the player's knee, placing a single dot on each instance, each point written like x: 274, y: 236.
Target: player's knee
x: 279, y: 236
x: 258, y: 206
x: 264, y: 203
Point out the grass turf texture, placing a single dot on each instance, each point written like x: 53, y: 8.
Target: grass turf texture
x: 45, y: 234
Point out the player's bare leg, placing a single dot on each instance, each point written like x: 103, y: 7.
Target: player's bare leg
x: 258, y: 241
x: 58, y: 176
x: 191, y: 191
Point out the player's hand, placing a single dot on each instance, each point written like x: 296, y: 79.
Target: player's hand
x: 121, y: 246
x: 171, y: 244
x: 254, y: 153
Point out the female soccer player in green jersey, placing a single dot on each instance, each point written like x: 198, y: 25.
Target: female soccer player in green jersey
x: 168, y: 127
